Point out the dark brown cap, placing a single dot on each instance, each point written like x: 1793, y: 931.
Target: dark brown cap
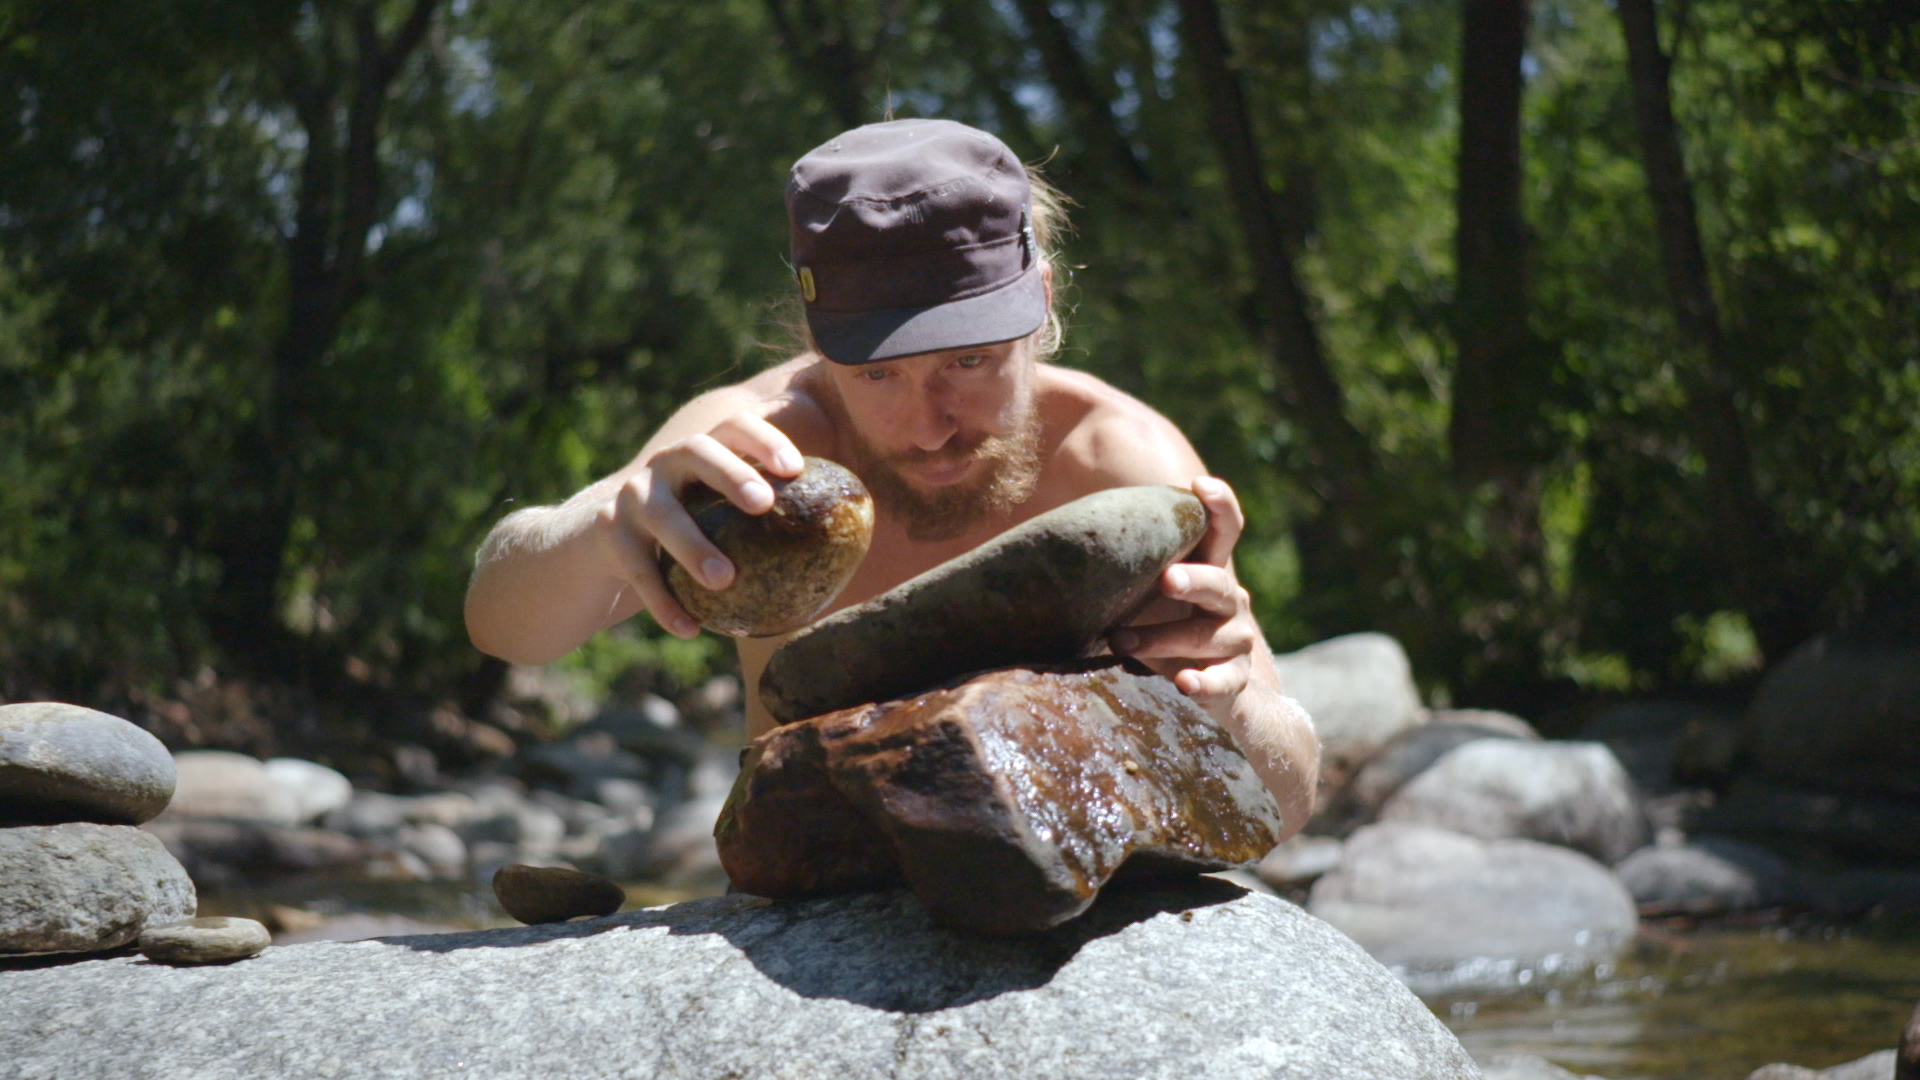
x: 914, y: 236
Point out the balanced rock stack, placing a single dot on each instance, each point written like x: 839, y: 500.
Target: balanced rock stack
x: 958, y: 736
x: 76, y: 874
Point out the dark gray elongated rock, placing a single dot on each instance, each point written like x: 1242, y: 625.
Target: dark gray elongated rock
x: 62, y: 763
x: 82, y: 887
x: 1006, y: 801
x: 1197, y: 982
x: 1039, y: 593
x: 1710, y: 875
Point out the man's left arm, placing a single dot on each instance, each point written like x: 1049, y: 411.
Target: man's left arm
x: 1202, y: 634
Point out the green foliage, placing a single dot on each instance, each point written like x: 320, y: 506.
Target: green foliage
x: 579, y: 226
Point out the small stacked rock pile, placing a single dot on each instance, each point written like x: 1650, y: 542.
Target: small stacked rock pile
x: 948, y: 737
x: 76, y: 873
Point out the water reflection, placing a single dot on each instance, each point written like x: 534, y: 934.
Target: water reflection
x: 1709, y: 1004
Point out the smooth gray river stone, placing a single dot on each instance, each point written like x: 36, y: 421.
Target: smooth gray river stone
x: 61, y: 763
x: 1042, y: 592
x: 82, y: 887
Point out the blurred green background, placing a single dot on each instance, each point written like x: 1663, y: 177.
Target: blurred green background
x: 1576, y: 344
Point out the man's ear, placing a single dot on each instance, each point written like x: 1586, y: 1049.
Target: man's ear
x: 1046, y: 278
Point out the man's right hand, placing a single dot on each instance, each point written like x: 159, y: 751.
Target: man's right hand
x: 644, y: 515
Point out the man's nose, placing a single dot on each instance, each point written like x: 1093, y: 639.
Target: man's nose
x: 933, y: 420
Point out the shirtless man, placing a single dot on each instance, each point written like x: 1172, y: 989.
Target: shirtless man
x: 921, y: 252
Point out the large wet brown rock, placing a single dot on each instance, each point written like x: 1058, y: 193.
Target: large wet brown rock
x: 790, y: 562
x: 1040, y: 593
x: 1005, y: 802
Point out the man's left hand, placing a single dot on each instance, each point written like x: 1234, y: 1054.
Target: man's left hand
x: 1201, y: 632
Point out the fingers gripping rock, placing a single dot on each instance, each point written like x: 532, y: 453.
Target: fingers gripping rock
x: 789, y: 562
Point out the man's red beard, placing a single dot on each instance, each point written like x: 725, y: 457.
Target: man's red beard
x: 1009, y: 467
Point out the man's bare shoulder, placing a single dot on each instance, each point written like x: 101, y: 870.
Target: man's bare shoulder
x: 1109, y: 438
x: 787, y: 395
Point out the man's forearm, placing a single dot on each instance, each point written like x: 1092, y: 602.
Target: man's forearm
x: 1277, y: 736
x: 539, y: 587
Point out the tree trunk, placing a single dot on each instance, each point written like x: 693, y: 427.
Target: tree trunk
x: 1740, y: 515
x: 338, y: 204
x: 1311, y: 396
x: 823, y: 48
x: 1089, y: 105
x: 1495, y: 381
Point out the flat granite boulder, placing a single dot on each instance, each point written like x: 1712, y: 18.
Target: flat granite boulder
x: 1039, y: 593
x: 82, y: 887
x: 1195, y: 981
x: 61, y: 763
x: 1005, y: 801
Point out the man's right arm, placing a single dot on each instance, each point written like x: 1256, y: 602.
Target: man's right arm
x: 547, y: 578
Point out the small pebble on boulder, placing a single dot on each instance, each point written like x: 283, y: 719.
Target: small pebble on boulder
x: 1005, y: 801
x: 551, y: 894
x: 215, y: 939
x: 1042, y: 592
x: 61, y: 763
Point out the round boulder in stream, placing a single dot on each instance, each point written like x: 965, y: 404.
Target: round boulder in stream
x: 1196, y: 981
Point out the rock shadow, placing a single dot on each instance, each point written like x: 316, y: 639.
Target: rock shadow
x: 878, y: 950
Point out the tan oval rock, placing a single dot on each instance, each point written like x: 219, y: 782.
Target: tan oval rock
x: 789, y: 563
x: 214, y: 939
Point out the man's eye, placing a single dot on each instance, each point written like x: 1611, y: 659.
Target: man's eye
x: 873, y: 374
x: 971, y: 360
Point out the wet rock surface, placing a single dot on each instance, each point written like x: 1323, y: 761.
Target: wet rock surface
x: 1042, y: 592
x: 1005, y: 801
x: 552, y: 894
x: 789, y: 563
x: 216, y: 939
x: 1197, y: 980
x: 61, y: 763
x: 82, y: 887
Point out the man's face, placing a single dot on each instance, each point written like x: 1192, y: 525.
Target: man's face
x: 943, y: 440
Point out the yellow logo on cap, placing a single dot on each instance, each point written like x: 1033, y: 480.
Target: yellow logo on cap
x: 806, y: 284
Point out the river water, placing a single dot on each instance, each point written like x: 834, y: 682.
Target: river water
x: 1708, y: 1004
x: 1699, y: 1003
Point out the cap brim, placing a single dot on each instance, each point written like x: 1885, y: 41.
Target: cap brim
x: 863, y: 337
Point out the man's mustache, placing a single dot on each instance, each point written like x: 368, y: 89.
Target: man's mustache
x: 955, y: 451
